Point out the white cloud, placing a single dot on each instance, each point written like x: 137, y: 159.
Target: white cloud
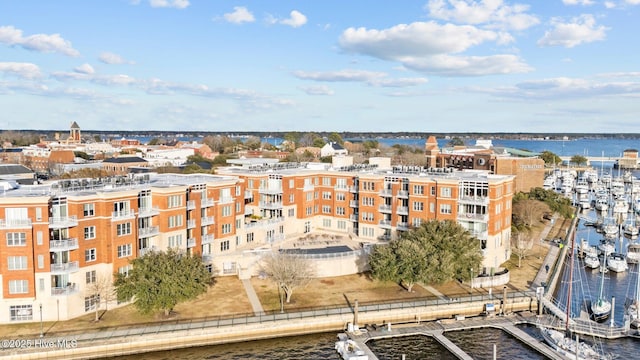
x: 317, y: 90
x: 492, y: 13
x: 111, y: 58
x: 609, y: 4
x: 45, y: 43
x: 579, y: 30
x: 239, y: 15
x: 85, y: 69
x: 578, y: 2
x: 632, y: 2
x: 371, y: 78
x: 296, y: 19
x: 23, y: 70
x: 429, y: 47
x: 568, y: 88
x: 178, y: 4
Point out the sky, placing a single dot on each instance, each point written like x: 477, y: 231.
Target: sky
x: 310, y: 65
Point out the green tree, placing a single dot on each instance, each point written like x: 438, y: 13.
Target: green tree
x: 336, y: 138
x: 161, y: 280
x: 318, y: 142
x: 550, y: 158
x: 579, y: 160
x: 456, y: 141
x: 433, y: 253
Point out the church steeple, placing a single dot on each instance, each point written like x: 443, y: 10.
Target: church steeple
x: 74, y: 132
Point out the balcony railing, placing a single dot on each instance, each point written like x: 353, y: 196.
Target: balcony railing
x: 207, y: 220
x: 207, y: 239
x: 248, y: 194
x: 148, y: 211
x: 403, y: 210
x: 63, y: 245
x: 386, y: 192
x: 191, y: 205
x: 403, y: 194
x: 207, y: 258
x: 15, y: 223
x: 474, y: 217
x: 482, y: 200
x: 64, y: 268
x: 385, y: 223
x: 191, y: 223
x: 353, y: 217
x: 353, y: 189
x: 263, y: 223
x: 63, y: 291
x: 353, y: 203
x: 270, y: 190
x: 123, y: 214
x: 191, y: 242
x: 206, y: 202
x: 274, y: 238
x: 402, y: 226
x: 144, y: 251
x: 63, y: 222
x: 271, y: 204
x: 148, y: 231
x: 385, y: 208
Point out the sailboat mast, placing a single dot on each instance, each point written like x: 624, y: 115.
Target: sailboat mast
x: 573, y: 239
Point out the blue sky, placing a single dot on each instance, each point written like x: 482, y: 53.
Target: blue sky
x: 427, y: 66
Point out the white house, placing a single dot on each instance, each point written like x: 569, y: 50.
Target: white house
x: 332, y: 149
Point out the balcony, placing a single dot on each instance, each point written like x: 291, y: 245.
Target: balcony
x: 353, y: 203
x: 123, y: 215
x: 148, y: 211
x: 403, y: 194
x: 207, y: 239
x: 481, y: 235
x: 402, y: 210
x: 274, y: 238
x: 207, y: 258
x: 386, y: 193
x: 207, y: 220
x: 270, y: 190
x: 386, y: 224
x: 191, y: 223
x: 271, y: 204
x: 403, y: 226
x: 64, y: 268
x: 148, y: 231
x: 191, y: 242
x: 385, y: 209
x: 70, y: 289
x: 353, y: 189
x: 473, y: 217
x: 15, y: 224
x: 63, y: 245
x: 263, y: 222
x: 61, y: 222
x: 191, y: 205
x: 206, y: 202
x: 248, y: 194
x: 147, y: 250
x: 353, y: 217
x: 476, y: 200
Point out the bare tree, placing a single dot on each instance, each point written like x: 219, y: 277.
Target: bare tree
x: 521, y: 245
x: 288, y: 271
x: 529, y: 211
x: 101, y: 290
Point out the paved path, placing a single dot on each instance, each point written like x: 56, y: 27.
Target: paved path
x: 253, y: 297
x: 434, y: 292
x: 550, y: 259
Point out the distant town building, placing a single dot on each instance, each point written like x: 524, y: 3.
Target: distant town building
x: 333, y: 149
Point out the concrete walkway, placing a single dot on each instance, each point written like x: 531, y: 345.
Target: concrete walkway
x: 550, y: 259
x: 253, y: 297
x: 434, y: 292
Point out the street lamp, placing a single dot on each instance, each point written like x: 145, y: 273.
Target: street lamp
x: 41, y: 328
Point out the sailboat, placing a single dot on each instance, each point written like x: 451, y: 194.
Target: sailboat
x: 633, y: 305
x: 562, y: 342
x: 601, y: 307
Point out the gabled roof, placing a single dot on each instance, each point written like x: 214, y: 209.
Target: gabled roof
x: 336, y: 146
x: 125, y: 160
x: 75, y: 125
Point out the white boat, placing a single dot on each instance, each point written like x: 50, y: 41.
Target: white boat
x: 617, y: 262
x: 585, y: 249
x: 633, y: 304
x: 630, y: 230
x: 601, y: 307
x: 620, y: 206
x: 349, y: 349
x: 606, y: 247
x: 633, y: 253
x: 592, y: 262
x: 602, y: 204
x: 569, y: 347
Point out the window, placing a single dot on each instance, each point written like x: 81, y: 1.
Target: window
x: 326, y: 195
x: 342, y: 225
x: 341, y: 196
x: 498, y: 208
x: 326, y: 209
x: 249, y: 237
x: 226, y: 228
x: 292, y: 212
x: 124, y: 250
x: 224, y: 245
x: 90, y: 277
x: 308, y: 210
x: 123, y: 229
x: 416, y: 222
x: 39, y: 237
x: 17, y: 262
x: 445, y: 192
x: 88, y: 210
x: 445, y: 208
x: 307, y: 227
x: 175, y: 240
x: 339, y: 210
x: 432, y: 207
x: 90, y: 302
x: 90, y: 255
x: 309, y: 196
x: 40, y: 261
x: 175, y: 221
x: 174, y: 201
x: 418, y: 206
x: 291, y: 198
x: 326, y: 223
x: 367, y: 201
x: 16, y: 239
x: 367, y: 231
x: 21, y: 312
x: 326, y: 181
x: 121, y: 208
x: 124, y: 270
x: 18, y: 286
x: 226, y: 210
x: 89, y: 232
x: 433, y: 191
x: 418, y: 189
